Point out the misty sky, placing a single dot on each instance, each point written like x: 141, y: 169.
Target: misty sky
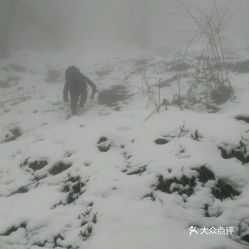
x: 104, y: 24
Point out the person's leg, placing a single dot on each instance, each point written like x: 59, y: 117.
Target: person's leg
x: 74, y: 101
x: 83, y: 97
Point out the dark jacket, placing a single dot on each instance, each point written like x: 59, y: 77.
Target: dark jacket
x: 77, y: 84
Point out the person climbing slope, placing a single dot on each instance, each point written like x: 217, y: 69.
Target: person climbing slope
x: 76, y: 86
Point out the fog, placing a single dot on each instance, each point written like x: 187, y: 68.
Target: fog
x: 115, y: 133
x: 112, y: 24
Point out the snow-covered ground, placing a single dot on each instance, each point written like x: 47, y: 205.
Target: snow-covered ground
x: 107, y: 178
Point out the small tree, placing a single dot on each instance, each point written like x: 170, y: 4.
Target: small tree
x: 210, y: 72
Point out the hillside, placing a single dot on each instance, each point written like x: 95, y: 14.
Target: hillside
x: 107, y: 178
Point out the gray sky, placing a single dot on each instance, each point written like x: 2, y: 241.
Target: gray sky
x: 104, y: 24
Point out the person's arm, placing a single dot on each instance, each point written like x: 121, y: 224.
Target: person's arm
x: 65, y: 92
x: 91, y: 84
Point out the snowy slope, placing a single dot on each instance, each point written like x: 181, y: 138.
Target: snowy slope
x: 108, y: 179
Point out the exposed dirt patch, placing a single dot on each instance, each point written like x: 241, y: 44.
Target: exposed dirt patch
x: 104, y: 148
x: 13, y: 134
x: 56, y: 241
x: 161, y: 141
x: 243, y: 231
x: 239, y: 151
x: 223, y: 190
x: 24, y: 189
x: 102, y: 139
x: 113, y: 96
x: 186, y: 185
x: 196, y: 135
x: 59, y: 168
x: 244, y: 118
x: 88, y: 219
x: 36, y: 164
x: 245, y: 238
x: 13, y: 229
x: 205, y: 174
x: 104, y: 144
x: 69, y: 153
x: 74, y: 188
x: 150, y: 195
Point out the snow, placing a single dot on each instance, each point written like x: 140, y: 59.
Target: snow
x: 127, y: 217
